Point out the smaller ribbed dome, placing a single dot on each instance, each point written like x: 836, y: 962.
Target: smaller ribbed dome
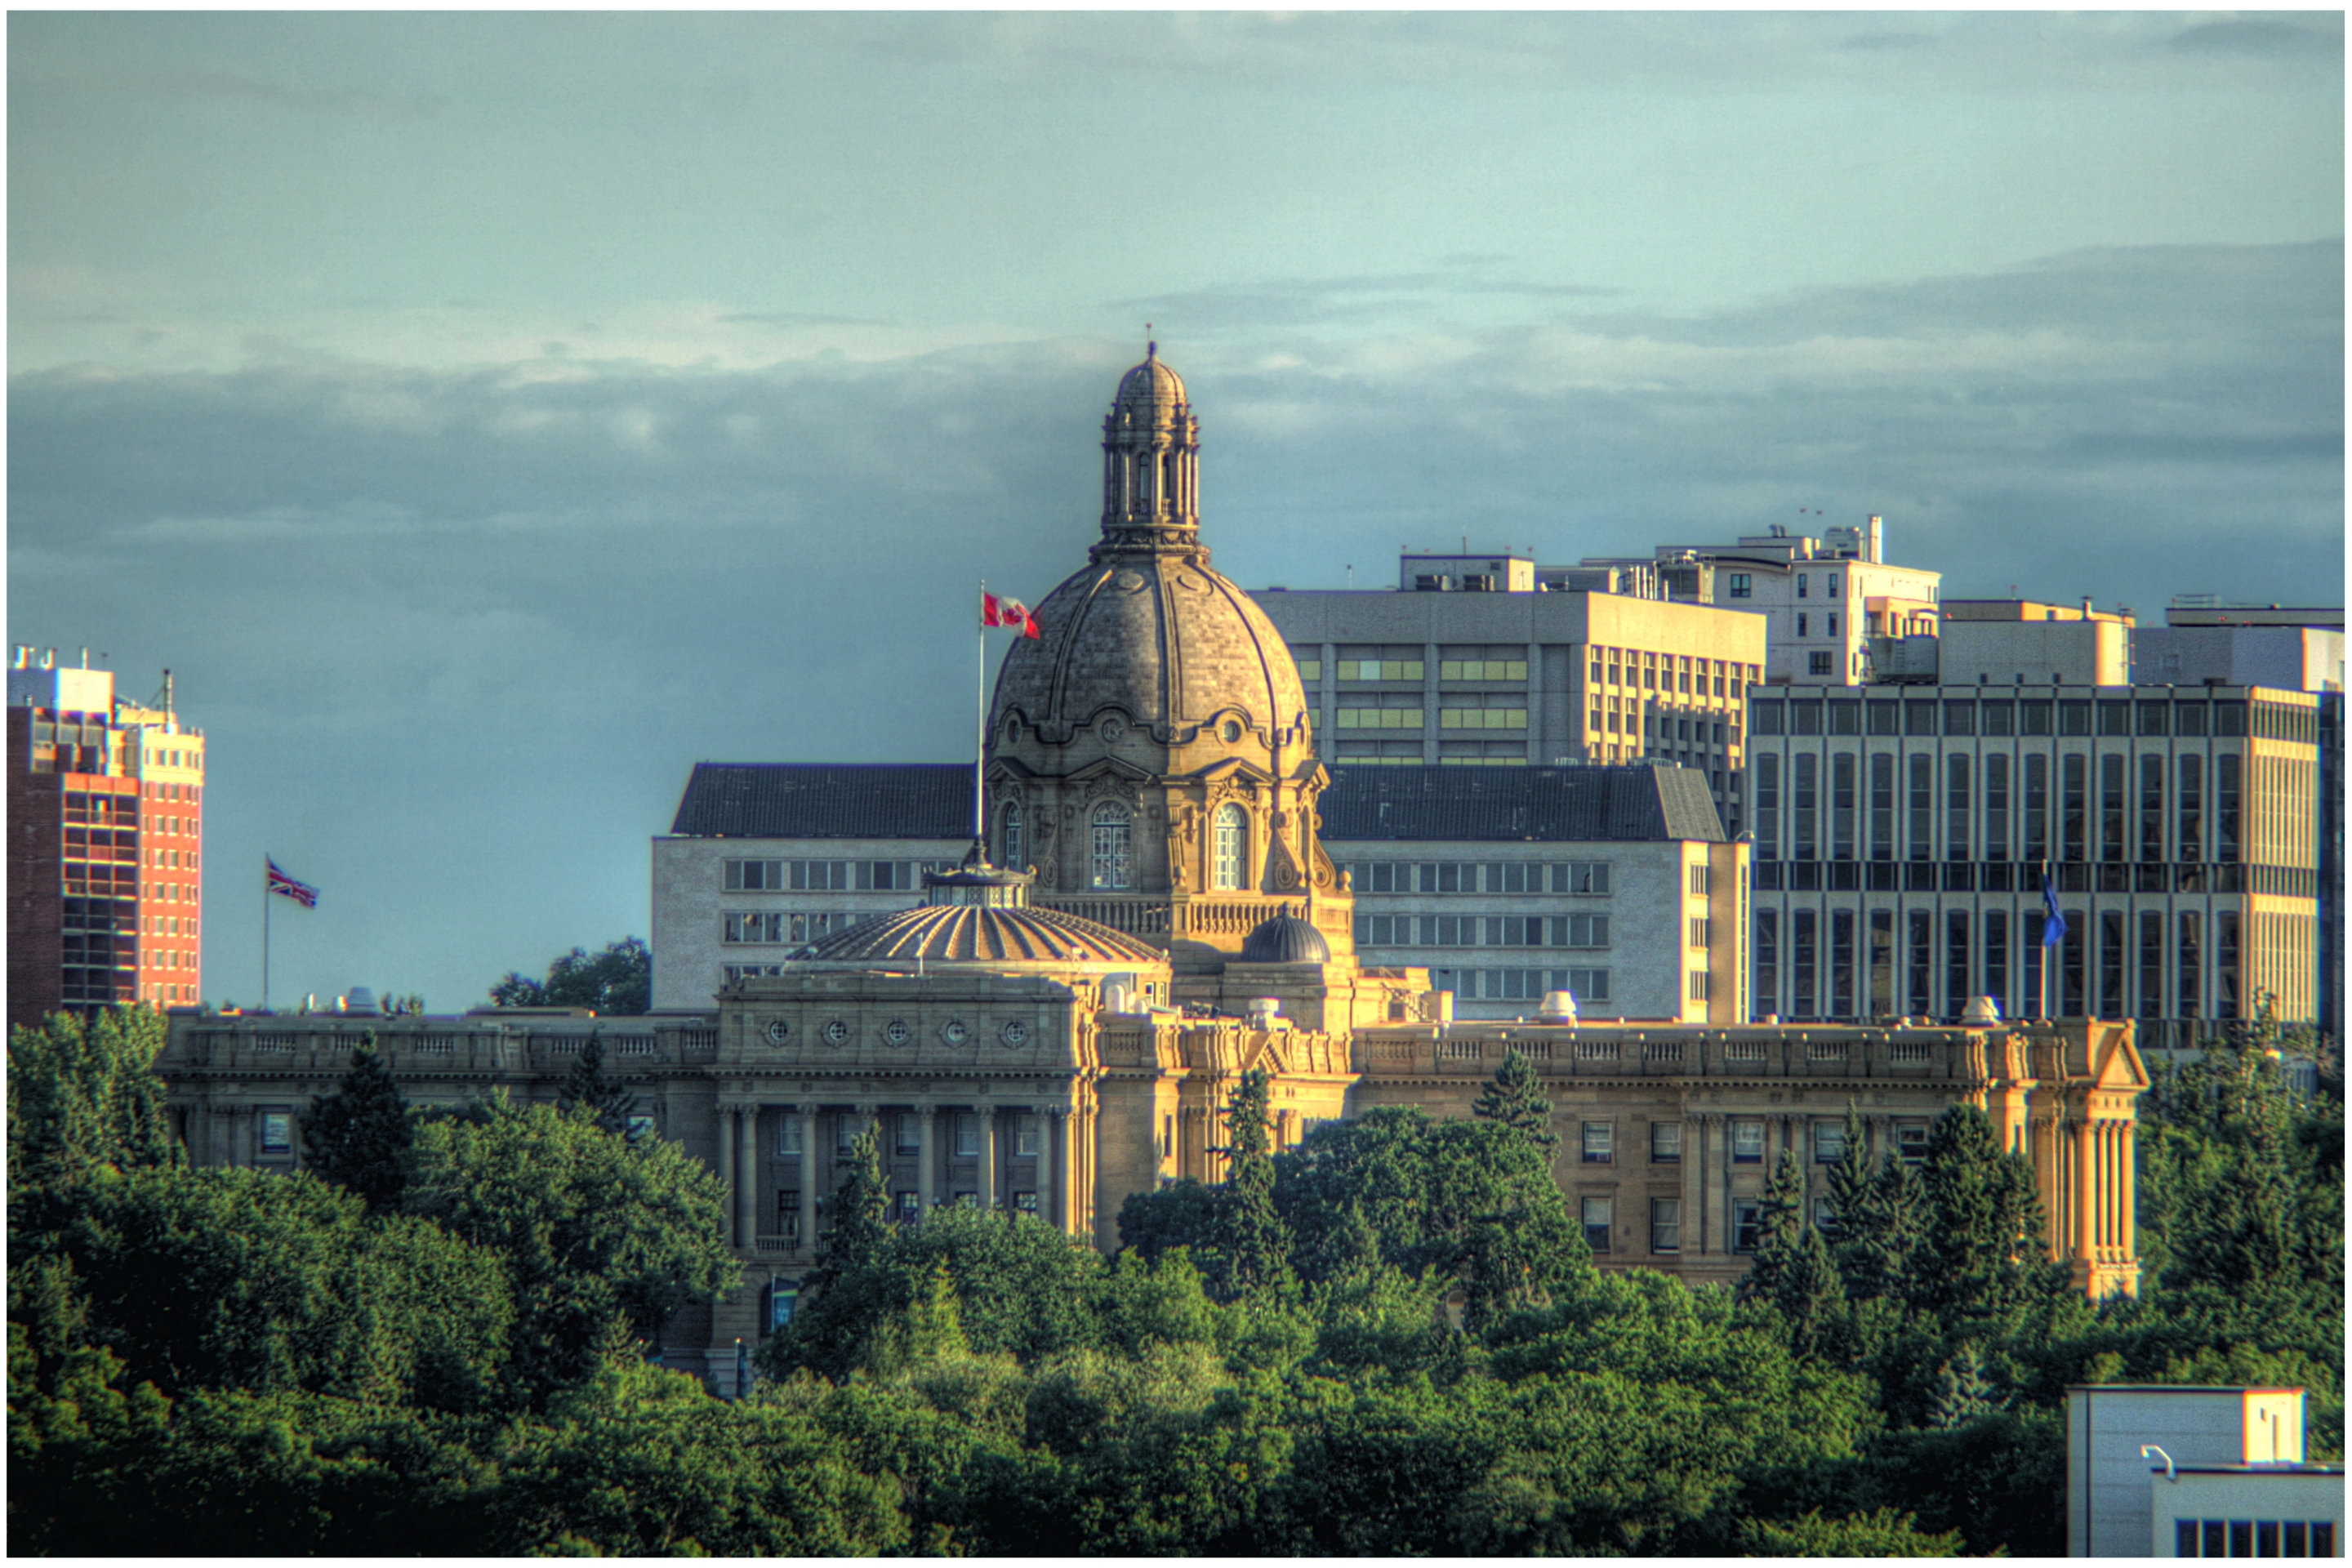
x: 986, y: 937
x: 1285, y: 939
x: 1149, y: 386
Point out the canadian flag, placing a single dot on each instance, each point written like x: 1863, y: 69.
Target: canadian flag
x: 996, y: 612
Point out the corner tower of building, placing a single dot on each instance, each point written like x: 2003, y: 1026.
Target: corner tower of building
x: 1150, y: 753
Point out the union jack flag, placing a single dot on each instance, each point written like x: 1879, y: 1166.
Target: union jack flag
x: 280, y: 883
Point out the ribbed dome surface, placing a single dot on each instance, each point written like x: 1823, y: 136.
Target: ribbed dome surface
x: 1149, y: 385
x: 965, y: 933
x: 1166, y: 640
x: 1285, y: 939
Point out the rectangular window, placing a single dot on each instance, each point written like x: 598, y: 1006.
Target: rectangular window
x: 1804, y: 800
x: 2189, y: 963
x: 1996, y: 808
x: 1802, y: 961
x: 2073, y: 996
x: 2151, y: 964
x: 1829, y: 1143
x: 2151, y: 808
x: 2000, y: 718
x: 1768, y: 807
x: 1767, y: 718
x: 754, y: 876
x: 1024, y: 1137
x: 1596, y: 1142
x: 2188, y: 718
x: 2225, y: 807
x: 1665, y: 1143
x: 1882, y: 807
x: 1921, y: 846
x: 1701, y: 932
x: 1996, y: 958
x: 1768, y: 961
x: 1956, y: 963
x: 910, y: 1133
x: 1665, y: 1224
x: 2190, y: 793
x: 1922, y: 963
x: 1701, y: 881
x: 1959, y: 718
x: 1804, y: 717
x: 1842, y: 964
x: 1745, y: 1223
x: 2227, y: 995
x: 277, y: 1132
x: 1596, y: 1223
x: 1911, y: 1142
x: 1748, y: 1142
x: 1956, y: 808
x: 1842, y: 805
x: 1882, y: 964
x: 2111, y: 964
x: 1742, y: 584
x: 967, y: 1137
x: 2111, y: 808
x: 2074, y: 807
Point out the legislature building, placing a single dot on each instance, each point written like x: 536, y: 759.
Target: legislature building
x: 1054, y: 1017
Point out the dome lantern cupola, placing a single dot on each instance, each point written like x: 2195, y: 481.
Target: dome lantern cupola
x: 1152, y: 461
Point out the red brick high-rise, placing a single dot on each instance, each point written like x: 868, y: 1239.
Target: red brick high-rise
x: 105, y: 844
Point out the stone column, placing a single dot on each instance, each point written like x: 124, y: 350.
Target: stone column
x: 747, y: 1176
x: 925, y: 1198
x: 808, y: 1177
x: 727, y: 1163
x: 2129, y: 1235
x: 987, y: 1114
x: 2084, y: 1165
x: 1715, y: 1220
x: 1047, y: 1209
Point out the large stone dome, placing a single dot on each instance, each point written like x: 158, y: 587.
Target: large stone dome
x: 1163, y: 642
x: 997, y: 939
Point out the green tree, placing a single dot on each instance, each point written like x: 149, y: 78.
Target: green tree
x: 1810, y: 1294
x: 1514, y: 1099
x: 590, y: 1229
x: 860, y: 1211
x: 1965, y: 1392
x: 1780, y: 1229
x: 1882, y: 1533
x: 1983, y: 1252
x: 357, y: 1138
x: 85, y: 1095
x: 1254, y: 1243
x: 616, y: 983
x: 587, y: 1086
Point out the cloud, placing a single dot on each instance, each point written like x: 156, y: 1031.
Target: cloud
x: 456, y: 634
x: 2318, y: 39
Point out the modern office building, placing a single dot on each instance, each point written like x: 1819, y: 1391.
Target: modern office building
x: 106, y: 844
x: 2187, y: 1470
x: 1616, y: 885
x: 1903, y: 836
x: 1495, y: 667
x: 1837, y: 612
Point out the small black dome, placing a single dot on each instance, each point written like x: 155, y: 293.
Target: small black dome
x: 1285, y: 939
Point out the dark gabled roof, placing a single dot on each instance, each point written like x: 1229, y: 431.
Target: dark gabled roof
x: 1574, y: 804
x: 822, y: 800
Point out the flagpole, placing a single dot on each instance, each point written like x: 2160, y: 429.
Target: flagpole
x: 264, y: 934
x: 980, y: 730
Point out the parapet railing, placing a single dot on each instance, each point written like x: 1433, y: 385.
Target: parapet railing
x: 1443, y: 1051
x: 312, y: 1044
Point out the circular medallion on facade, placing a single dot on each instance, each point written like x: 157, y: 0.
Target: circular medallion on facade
x: 778, y: 1031
x: 955, y: 1033
x: 1190, y: 584
x: 1230, y: 731
x: 1129, y: 582
x: 837, y: 1033
x: 1113, y: 728
x: 1015, y: 1034
x: 896, y: 1033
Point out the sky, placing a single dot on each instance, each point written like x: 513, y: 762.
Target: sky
x: 488, y: 417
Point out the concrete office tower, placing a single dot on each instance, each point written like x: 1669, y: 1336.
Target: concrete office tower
x: 106, y: 844
x: 1458, y: 668
x: 2144, y: 1459
x: 1837, y: 612
x: 1903, y: 834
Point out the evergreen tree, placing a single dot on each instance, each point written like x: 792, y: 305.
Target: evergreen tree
x: 1779, y: 1231
x: 1810, y: 1293
x: 1850, y: 1177
x: 1983, y: 1251
x: 359, y: 1136
x: 588, y: 1087
x: 1965, y: 1392
x: 1254, y: 1241
x: 1514, y: 1098
x: 1877, y: 1254
x: 861, y: 1213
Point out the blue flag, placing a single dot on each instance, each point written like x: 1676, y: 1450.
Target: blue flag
x: 2053, y: 927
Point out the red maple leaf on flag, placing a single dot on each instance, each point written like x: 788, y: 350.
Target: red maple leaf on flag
x: 996, y: 612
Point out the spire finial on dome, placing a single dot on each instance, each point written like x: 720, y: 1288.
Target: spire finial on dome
x: 1150, y: 348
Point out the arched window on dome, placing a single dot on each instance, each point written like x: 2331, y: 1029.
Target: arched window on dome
x: 1231, y: 870
x: 1111, y: 861
x: 1144, y: 464
x: 1011, y: 847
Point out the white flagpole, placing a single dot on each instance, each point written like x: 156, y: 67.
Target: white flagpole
x: 980, y: 730
x: 264, y: 934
